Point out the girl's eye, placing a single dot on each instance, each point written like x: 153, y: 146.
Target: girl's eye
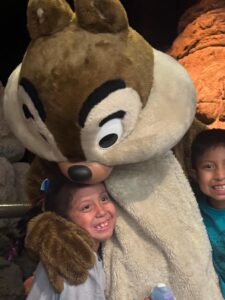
x: 86, y: 207
x: 105, y: 198
x: 208, y: 166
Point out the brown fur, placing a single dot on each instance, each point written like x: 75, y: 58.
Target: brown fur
x: 61, y: 260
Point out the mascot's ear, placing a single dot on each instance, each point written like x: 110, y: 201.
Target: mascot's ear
x: 46, y: 17
x: 101, y: 15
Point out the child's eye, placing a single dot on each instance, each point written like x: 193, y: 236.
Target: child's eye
x: 86, y: 207
x: 208, y: 166
x: 105, y: 198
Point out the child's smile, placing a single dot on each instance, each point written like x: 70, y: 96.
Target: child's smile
x: 94, y: 211
x: 210, y: 172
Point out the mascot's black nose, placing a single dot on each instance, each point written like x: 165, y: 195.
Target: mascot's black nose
x: 79, y: 173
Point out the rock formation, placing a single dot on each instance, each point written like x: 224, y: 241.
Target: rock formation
x: 200, y: 47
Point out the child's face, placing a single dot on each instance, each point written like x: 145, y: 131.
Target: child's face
x: 210, y: 175
x: 93, y: 210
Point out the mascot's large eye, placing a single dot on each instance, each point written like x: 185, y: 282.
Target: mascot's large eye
x: 109, y: 133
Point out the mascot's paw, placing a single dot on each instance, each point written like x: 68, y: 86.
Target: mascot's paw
x: 65, y: 249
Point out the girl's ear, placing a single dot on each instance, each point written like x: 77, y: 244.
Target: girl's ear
x: 193, y: 174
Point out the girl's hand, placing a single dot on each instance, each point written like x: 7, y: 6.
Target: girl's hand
x: 27, y: 284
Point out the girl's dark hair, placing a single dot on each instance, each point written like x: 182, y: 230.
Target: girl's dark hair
x: 204, y: 141
x: 59, y: 195
x: 56, y: 198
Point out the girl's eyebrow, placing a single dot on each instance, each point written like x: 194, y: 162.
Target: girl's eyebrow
x: 84, y: 200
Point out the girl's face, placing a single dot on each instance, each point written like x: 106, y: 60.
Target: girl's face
x: 210, y: 175
x: 93, y: 210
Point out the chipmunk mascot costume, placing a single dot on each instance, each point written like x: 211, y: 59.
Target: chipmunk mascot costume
x: 94, y: 101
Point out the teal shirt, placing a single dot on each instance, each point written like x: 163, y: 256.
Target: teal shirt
x: 214, y: 220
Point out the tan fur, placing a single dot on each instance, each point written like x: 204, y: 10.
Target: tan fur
x: 182, y: 150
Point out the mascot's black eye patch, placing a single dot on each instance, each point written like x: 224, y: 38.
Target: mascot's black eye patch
x: 27, y: 113
x: 97, y: 96
x: 32, y: 92
x: 117, y: 115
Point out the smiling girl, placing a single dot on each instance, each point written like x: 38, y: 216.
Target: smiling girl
x: 90, y: 207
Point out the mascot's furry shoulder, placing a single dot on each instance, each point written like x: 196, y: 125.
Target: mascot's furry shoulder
x: 93, y: 100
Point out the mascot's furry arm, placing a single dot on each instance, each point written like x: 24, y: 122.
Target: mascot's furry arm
x: 92, y: 89
x: 69, y: 260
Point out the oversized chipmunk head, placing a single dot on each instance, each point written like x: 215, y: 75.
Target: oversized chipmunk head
x: 91, y: 89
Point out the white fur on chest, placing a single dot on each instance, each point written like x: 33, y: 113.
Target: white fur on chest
x: 159, y: 235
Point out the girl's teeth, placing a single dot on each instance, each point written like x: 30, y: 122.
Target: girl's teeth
x: 219, y: 187
x: 102, y: 225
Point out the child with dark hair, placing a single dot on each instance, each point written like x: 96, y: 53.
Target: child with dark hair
x: 91, y: 208
x: 208, y: 171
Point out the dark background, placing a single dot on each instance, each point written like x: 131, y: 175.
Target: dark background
x: 156, y: 20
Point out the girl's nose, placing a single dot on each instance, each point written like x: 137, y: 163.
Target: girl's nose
x: 220, y: 173
x: 100, y: 210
